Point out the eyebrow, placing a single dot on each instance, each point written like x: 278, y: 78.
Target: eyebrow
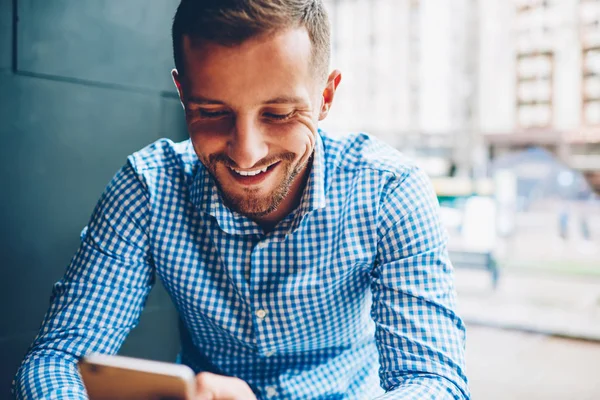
x: 277, y: 100
x: 285, y: 100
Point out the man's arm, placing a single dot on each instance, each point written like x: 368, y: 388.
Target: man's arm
x: 100, y: 298
x: 419, y: 336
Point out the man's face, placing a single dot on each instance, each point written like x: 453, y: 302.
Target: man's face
x: 252, y: 113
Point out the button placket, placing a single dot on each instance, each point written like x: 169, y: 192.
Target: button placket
x: 271, y: 391
x: 261, y: 314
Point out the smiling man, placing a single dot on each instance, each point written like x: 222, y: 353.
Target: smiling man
x: 252, y: 113
x: 302, y: 266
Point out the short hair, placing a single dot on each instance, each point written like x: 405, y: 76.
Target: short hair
x: 231, y: 22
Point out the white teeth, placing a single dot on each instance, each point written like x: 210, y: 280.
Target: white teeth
x: 249, y: 173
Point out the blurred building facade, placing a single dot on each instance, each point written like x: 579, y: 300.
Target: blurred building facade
x: 470, y: 79
x: 407, y: 70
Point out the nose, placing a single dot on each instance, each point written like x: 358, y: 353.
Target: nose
x: 247, y: 145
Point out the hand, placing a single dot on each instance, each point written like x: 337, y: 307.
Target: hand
x: 217, y: 387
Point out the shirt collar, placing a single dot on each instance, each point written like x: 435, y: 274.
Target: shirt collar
x: 207, y: 198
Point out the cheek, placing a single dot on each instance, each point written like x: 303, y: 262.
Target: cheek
x: 306, y: 141
x: 208, y: 138
x: 206, y: 145
x: 220, y: 127
x: 296, y: 136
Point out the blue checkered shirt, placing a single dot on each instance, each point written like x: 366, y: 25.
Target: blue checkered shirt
x: 351, y: 296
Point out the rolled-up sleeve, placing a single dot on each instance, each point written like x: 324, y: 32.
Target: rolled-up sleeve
x: 99, y: 299
x: 420, y: 338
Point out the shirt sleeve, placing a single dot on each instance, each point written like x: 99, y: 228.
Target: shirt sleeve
x: 419, y: 336
x: 99, y: 299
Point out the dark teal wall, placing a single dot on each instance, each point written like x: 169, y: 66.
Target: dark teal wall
x: 83, y: 84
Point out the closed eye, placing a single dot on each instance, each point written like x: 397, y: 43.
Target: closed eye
x: 279, y: 117
x: 212, y: 114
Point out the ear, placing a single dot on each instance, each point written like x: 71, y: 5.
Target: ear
x: 177, y: 82
x: 329, y: 92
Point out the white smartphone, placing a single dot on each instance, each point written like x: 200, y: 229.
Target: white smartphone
x: 120, y: 378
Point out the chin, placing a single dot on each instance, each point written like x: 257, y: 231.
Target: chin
x: 254, y: 210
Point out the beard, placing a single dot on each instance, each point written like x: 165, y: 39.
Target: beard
x: 251, y: 202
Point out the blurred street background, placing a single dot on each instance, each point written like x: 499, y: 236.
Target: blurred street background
x: 498, y: 100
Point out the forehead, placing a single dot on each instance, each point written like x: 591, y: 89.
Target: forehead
x: 272, y: 64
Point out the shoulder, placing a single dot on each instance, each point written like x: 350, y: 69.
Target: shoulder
x: 395, y: 178
x: 164, y: 166
x: 164, y: 154
x: 363, y: 152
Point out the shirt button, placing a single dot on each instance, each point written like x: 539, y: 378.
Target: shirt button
x: 271, y: 391
x: 269, y: 353
x: 262, y: 245
x: 261, y: 314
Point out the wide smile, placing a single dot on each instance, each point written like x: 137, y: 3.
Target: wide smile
x: 252, y: 177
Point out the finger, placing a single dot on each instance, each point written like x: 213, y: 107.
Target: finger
x: 204, y: 386
x: 216, y: 387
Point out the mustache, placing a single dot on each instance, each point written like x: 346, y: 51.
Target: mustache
x: 222, y: 158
